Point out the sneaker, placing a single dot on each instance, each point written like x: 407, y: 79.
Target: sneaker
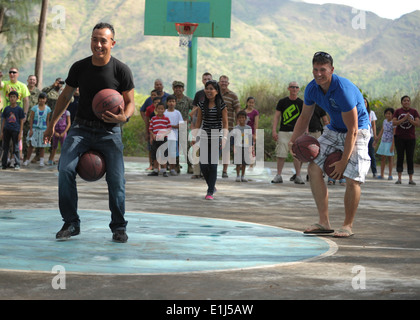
x: 379, y: 177
x: 390, y: 178
x: 412, y: 182
x: 26, y: 163
x: 398, y: 182
x: 277, y: 179
x: 3, y: 167
x: 165, y: 174
x: 173, y: 173
x: 153, y: 174
x: 292, y: 178
x: 243, y: 179
x: 119, y: 236
x: 298, y: 180
x: 238, y: 179
x: 67, y: 231
x: 225, y: 175
x: 35, y: 159
x: 17, y: 167
x: 41, y: 162
x: 209, y: 197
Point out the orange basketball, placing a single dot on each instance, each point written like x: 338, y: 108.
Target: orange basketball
x: 107, y: 100
x: 91, y: 166
x: 306, y: 148
x: 331, y: 158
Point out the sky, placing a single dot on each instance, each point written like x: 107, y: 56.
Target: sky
x: 391, y: 9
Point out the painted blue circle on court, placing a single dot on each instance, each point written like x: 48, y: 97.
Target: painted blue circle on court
x: 158, y: 243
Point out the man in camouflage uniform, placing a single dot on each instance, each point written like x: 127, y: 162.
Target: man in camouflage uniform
x: 33, y: 100
x: 184, y: 105
x: 232, y: 103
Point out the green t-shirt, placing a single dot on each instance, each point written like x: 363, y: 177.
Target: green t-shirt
x: 19, y: 87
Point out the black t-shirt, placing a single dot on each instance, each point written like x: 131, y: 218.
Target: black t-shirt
x: 315, y: 124
x: 290, y: 112
x: 91, y: 79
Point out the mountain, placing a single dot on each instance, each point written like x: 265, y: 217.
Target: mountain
x: 270, y: 39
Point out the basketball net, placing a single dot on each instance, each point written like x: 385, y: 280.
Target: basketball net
x: 185, y: 32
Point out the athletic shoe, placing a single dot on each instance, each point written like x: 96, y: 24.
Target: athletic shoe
x: 67, y: 231
x: 412, y: 182
x: 173, y: 172
x: 243, y: 179
x: 390, y: 178
x: 209, y: 197
x: 153, y: 174
x: 165, y: 174
x: 298, y: 180
x: 224, y: 175
x: 292, y: 178
x: 119, y: 236
x: 17, y: 167
x: 26, y: 163
x: 398, y: 182
x: 41, y: 162
x: 277, y: 179
x: 238, y: 179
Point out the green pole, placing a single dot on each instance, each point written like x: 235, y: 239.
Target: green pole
x: 192, y: 68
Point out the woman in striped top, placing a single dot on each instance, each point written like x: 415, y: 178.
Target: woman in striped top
x: 212, y: 118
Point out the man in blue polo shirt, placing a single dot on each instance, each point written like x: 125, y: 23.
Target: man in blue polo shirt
x: 348, y: 132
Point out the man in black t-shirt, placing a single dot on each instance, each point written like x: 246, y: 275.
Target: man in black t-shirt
x: 92, y: 74
x: 288, y: 111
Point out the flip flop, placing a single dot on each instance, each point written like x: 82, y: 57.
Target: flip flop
x: 341, y: 230
x: 320, y: 229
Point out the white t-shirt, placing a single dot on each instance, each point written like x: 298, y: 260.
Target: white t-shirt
x: 176, y: 118
x: 372, y: 117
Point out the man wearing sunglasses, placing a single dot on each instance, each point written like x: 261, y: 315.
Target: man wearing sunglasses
x: 348, y: 132
x: 14, y: 84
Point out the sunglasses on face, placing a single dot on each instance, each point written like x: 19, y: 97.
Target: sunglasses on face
x: 294, y: 87
x: 12, y: 72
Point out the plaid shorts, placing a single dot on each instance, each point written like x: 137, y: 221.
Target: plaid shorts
x: 359, y: 162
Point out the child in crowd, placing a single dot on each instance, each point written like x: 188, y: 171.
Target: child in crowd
x: 175, y: 117
x: 386, y: 147
x: 60, y: 134
x: 159, y: 128
x: 149, y: 114
x: 242, y: 146
x: 253, y: 117
x: 40, y: 118
x: 12, y: 129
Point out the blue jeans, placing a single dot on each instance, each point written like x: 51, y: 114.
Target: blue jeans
x: 109, y: 142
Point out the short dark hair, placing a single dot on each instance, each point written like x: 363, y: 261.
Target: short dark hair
x: 14, y: 93
x: 241, y: 113
x: 105, y: 25
x: 322, y: 58
x: 390, y: 110
x: 403, y: 97
x: 170, y: 97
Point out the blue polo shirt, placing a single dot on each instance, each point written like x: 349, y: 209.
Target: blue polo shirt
x: 342, y: 96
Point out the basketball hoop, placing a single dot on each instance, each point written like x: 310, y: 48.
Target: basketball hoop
x: 185, y: 31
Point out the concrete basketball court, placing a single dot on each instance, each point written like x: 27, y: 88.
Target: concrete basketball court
x: 245, y: 245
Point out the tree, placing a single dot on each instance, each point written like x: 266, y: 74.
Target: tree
x: 18, y: 30
x: 41, y: 39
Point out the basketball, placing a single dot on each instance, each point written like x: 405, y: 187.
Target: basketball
x: 91, y: 166
x: 107, y: 100
x: 331, y: 158
x: 306, y: 148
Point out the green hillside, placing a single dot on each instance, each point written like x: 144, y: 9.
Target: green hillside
x: 270, y: 39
